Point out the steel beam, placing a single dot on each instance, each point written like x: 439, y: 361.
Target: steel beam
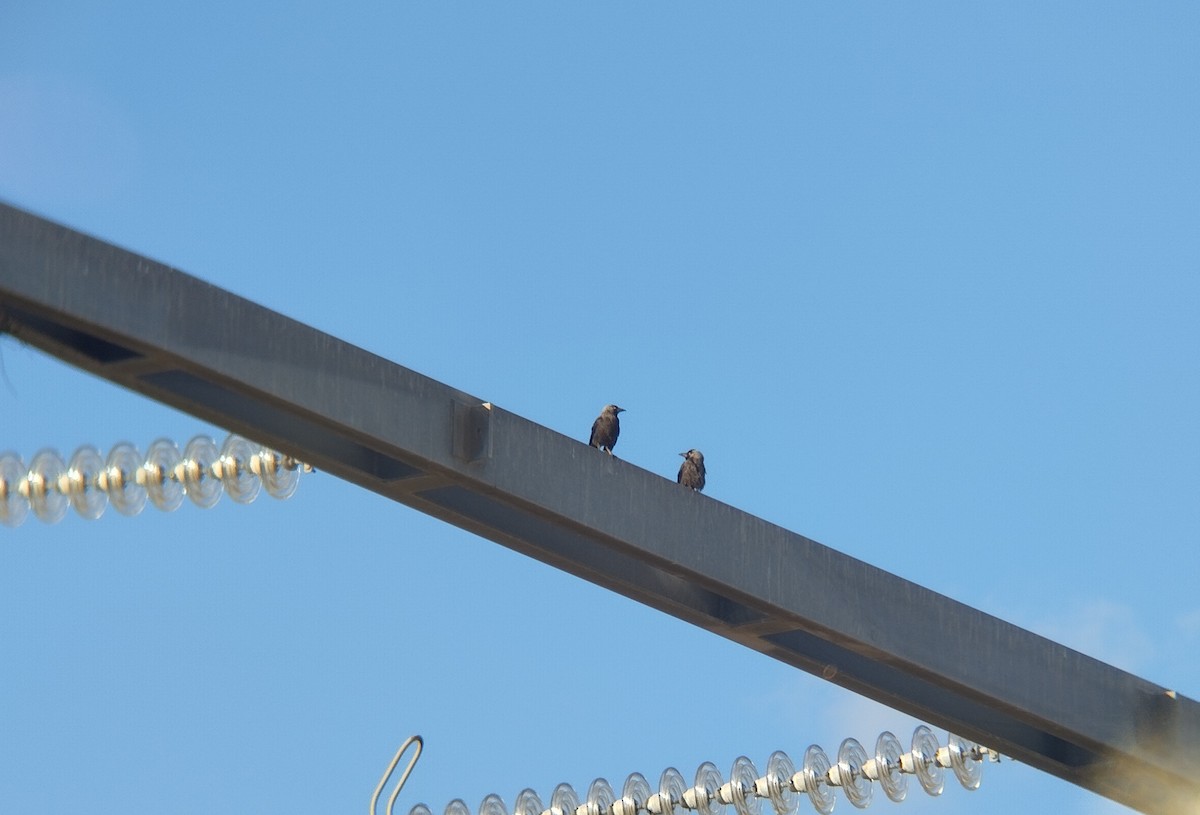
x: 183, y: 342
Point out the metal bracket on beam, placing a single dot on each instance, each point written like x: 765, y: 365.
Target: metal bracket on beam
x: 472, y: 431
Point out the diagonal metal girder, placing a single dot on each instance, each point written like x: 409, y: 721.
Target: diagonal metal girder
x: 174, y: 338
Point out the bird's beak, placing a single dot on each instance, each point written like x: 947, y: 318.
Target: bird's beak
x: 683, y: 454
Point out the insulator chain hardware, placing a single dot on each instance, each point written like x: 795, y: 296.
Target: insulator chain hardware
x: 126, y: 479
x: 782, y: 786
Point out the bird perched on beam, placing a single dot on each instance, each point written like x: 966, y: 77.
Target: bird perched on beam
x: 606, y: 428
x: 691, y: 472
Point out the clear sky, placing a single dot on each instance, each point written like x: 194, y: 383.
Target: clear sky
x: 920, y: 279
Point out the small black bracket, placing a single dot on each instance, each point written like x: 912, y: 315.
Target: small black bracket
x: 472, y: 431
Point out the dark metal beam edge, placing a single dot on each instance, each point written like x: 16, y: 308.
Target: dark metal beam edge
x: 170, y: 336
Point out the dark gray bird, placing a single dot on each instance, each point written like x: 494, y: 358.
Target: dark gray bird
x: 606, y: 428
x: 691, y: 472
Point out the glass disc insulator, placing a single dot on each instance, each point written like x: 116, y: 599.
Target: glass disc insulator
x: 158, y: 475
x: 125, y: 493
x: 83, y: 483
x: 634, y: 795
x: 527, y: 803
x: 741, y: 787
x: 816, y: 779
x: 237, y: 473
x: 457, y: 807
x: 856, y: 785
x: 600, y: 797
x: 196, y: 472
x: 45, y: 499
x: 924, y: 756
x: 13, y: 504
x: 420, y: 809
x: 706, y: 791
x: 280, y: 474
x: 887, y: 766
x: 778, y: 781
x: 967, y: 768
x: 492, y: 804
x: 669, y: 798
x: 564, y: 800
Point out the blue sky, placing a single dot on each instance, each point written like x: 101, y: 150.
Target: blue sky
x: 921, y: 280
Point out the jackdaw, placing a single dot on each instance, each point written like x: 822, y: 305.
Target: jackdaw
x: 606, y: 428
x: 691, y: 472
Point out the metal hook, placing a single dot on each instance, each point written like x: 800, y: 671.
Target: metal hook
x: 391, y: 768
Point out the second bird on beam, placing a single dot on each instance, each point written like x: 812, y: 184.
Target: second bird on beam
x: 691, y: 472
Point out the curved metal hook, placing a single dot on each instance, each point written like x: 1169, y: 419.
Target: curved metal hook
x: 391, y: 768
